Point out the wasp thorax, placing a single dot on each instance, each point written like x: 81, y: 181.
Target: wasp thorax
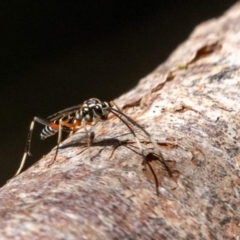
x: 93, y: 109
x: 91, y: 102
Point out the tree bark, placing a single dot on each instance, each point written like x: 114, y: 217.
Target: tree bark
x: 190, y: 106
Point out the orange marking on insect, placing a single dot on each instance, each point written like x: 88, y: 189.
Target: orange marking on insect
x: 89, y: 123
x: 54, y: 125
x: 63, y: 123
x: 77, y: 124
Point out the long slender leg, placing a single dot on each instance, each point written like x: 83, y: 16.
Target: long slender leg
x: 72, y: 131
x: 29, y: 139
x: 27, y: 148
x: 88, y: 138
x: 75, y: 126
x: 58, y: 141
x: 53, y: 125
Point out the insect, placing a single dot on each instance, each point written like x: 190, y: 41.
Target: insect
x: 71, y: 119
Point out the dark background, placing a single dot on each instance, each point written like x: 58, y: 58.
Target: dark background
x: 55, y: 54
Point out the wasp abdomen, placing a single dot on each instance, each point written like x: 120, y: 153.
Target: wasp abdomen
x: 48, y: 132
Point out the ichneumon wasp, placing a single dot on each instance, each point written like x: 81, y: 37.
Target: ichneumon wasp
x: 71, y: 119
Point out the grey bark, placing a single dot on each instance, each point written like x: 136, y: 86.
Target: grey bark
x: 190, y: 106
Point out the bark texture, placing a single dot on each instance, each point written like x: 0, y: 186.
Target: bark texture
x: 190, y: 105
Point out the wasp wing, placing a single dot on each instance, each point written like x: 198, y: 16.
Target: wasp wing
x: 67, y: 115
x: 64, y: 114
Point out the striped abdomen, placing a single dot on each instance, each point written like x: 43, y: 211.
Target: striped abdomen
x: 48, y: 132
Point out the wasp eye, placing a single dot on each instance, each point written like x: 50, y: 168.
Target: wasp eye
x: 98, y: 110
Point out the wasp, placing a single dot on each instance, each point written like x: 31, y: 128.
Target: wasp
x: 71, y: 119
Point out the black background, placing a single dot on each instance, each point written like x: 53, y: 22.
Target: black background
x: 55, y: 54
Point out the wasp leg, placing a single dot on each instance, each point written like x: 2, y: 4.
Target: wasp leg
x: 29, y: 139
x: 88, y: 138
x: 58, y: 142
x: 73, y: 128
x: 27, y: 148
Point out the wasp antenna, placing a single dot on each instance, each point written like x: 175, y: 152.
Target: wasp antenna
x: 131, y: 130
x: 112, y: 103
x: 151, y: 139
x: 131, y: 121
x: 116, y: 111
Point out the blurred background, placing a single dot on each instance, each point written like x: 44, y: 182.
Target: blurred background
x: 56, y: 54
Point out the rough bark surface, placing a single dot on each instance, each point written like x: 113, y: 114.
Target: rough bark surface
x: 190, y: 105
